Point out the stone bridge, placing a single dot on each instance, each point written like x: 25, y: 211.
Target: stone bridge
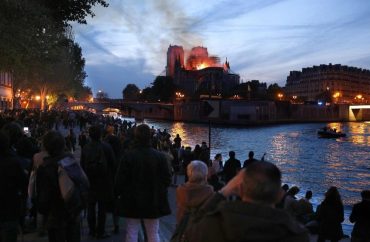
x: 138, y: 110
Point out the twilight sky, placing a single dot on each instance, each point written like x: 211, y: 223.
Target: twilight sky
x: 262, y: 39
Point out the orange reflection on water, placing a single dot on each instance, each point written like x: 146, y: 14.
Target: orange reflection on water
x: 358, y: 139
x: 360, y: 133
x: 336, y: 126
x: 178, y: 128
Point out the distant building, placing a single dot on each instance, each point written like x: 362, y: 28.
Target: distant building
x: 200, y: 73
x: 6, y: 91
x: 345, y: 84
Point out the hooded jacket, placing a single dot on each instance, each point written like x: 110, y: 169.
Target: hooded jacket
x: 242, y: 221
x: 191, y: 195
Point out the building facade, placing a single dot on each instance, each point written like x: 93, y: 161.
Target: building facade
x: 343, y: 83
x: 6, y: 91
x: 175, y: 54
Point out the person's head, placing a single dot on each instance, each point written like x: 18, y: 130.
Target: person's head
x: 251, y: 154
x: 142, y: 135
x: 54, y: 143
x: 261, y: 183
x: 110, y: 130
x: 308, y: 195
x: 365, y: 195
x: 14, y: 131
x: 177, y: 136
x: 218, y: 156
x: 285, y: 187
x: 332, y: 196
x: 232, y: 154
x: 95, y: 132
x: 197, y: 171
x: 293, y: 191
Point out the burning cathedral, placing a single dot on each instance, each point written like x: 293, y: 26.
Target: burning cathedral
x: 196, y: 73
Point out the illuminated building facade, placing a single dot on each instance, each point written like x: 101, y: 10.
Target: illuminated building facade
x: 196, y: 72
x: 345, y: 84
x: 6, y: 91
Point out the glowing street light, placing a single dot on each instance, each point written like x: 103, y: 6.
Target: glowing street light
x: 336, y: 95
x: 37, y: 98
x: 280, y: 96
x: 179, y: 95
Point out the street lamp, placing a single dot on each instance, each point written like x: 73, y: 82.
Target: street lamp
x: 280, y: 96
x: 179, y: 95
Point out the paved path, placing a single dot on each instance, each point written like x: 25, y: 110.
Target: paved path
x: 167, y: 223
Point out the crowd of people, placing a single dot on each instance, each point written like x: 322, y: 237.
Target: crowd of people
x: 126, y: 169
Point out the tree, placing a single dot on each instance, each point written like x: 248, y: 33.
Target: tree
x: 163, y: 88
x: 130, y: 92
x: 254, y: 90
x: 147, y: 94
x: 273, y: 91
x: 37, y: 46
x: 84, y: 94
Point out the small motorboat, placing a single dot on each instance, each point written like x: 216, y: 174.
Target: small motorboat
x: 330, y: 133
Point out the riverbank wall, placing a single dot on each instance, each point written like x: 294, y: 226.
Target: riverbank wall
x: 257, y: 112
x: 242, y: 112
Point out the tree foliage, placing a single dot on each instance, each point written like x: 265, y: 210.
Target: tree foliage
x: 71, y: 10
x: 163, y: 88
x: 130, y: 92
x: 273, y: 90
x: 37, y: 46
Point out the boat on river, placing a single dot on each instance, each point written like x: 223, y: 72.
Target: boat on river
x: 330, y: 133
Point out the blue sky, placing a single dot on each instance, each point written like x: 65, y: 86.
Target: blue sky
x: 262, y: 39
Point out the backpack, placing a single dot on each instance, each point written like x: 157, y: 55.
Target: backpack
x: 97, y: 164
x: 186, y: 222
x: 73, y: 185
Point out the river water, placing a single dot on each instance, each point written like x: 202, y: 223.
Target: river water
x: 307, y: 161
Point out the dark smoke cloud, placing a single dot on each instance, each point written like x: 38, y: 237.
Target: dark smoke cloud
x: 159, y: 24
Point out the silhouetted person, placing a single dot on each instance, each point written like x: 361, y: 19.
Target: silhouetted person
x: 231, y: 168
x: 304, y: 209
x: 361, y: 217
x: 250, y: 159
x: 177, y: 141
x: 330, y: 215
x: 13, y: 183
x: 61, y: 224
x: 142, y: 180
x: 98, y: 161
